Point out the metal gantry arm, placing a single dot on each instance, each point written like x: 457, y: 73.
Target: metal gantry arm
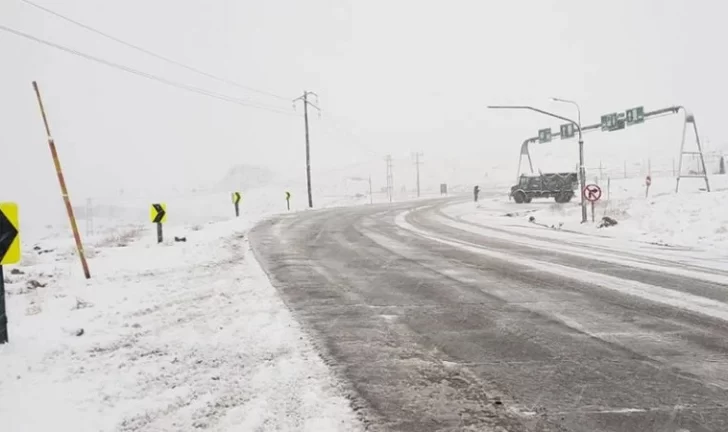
x: 689, y: 118
x: 525, y: 150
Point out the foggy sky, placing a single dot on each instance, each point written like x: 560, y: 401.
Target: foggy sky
x: 392, y: 76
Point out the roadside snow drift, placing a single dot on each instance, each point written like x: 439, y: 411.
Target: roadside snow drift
x: 171, y: 337
x: 690, y: 218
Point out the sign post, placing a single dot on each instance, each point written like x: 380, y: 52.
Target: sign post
x: 236, y: 203
x: 592, y: 193
x: 288, y: 200
x: 371, y: 195
x: 9, y: 254
x: 648, y: 183
x: 158, y: 215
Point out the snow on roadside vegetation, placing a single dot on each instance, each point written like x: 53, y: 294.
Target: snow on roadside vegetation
x: 691, y: 218
x: 179, y: 336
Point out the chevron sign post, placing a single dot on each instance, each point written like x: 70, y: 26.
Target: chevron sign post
x: 158, y: 215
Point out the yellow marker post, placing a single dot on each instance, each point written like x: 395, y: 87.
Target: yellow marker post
x: 236, y: 202
x: 9, y: 254
x: 158, y: 215
x: 288, y: 200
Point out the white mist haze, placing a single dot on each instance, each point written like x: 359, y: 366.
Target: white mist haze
x: 392, y: 78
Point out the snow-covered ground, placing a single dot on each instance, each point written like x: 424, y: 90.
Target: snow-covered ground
x: 690, y: 218
x: 191, y: 335
x: 178, y: 336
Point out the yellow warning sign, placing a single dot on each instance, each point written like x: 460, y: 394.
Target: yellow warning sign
x: 158, y: 213
x: 9, y: 234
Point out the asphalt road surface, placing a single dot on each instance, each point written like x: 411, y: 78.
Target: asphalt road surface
x: 440, y: 324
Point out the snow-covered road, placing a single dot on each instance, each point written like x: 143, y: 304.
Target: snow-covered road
x: 444, y: 324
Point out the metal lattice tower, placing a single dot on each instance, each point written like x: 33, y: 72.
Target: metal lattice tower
x: 690, y: 119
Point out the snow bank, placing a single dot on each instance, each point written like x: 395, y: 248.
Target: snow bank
x: 178, y: 336
x: 696, y: 219
x: 690, y: 218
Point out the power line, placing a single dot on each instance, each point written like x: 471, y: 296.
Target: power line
x: 149, y: 76
x: 334, y: 127
x: 151, y: 53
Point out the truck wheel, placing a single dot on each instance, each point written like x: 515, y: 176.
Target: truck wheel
x: 568, y: 197
x: 527, y: 200
x: 519, y: 197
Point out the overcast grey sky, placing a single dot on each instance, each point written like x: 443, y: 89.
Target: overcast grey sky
x: 393, y: 76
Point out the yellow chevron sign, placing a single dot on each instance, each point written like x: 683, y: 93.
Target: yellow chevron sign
x: 9, y: 234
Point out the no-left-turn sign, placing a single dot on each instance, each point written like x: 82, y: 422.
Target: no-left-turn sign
x: 592, y: 192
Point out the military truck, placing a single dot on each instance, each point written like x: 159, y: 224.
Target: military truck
x: 560, y: 186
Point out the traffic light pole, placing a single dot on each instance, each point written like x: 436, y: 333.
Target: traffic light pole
x: 582, y: 177
x: 582, y: 171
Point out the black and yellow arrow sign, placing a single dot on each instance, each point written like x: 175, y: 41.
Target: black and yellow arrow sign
x: 158, y: 213
x: 236, y: 197
x: 9, y: 234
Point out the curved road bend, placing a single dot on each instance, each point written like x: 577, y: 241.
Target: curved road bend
x: 441, y: 325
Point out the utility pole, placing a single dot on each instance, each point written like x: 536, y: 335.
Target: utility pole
x: 417, y: 165
x: 371, y: 196
x: 306, y: 103
x: 390, y: 177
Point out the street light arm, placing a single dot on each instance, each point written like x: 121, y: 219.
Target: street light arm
x: 571, y: 102
x: 525, y: 107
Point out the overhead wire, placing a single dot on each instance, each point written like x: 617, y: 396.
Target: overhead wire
x: 354, y: 142
x: 337, y: 126
x: 151, y: 53
x: 149, y: 76
x: 204, y: 92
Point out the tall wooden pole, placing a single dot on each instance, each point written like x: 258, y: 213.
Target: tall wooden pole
x: 62, y: 182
